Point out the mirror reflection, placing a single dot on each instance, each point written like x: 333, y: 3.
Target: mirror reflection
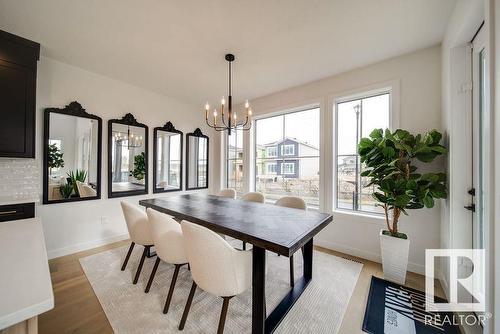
x: 72, y: 155
x: 197, y: 160
x: 168, y: 159
x: 128, y: 158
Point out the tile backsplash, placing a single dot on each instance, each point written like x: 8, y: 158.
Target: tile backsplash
x: 19, y: 180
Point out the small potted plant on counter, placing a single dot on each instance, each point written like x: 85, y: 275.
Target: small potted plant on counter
x: 390, y: 160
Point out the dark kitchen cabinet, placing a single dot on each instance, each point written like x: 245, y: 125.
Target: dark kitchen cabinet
x: 18, y: 62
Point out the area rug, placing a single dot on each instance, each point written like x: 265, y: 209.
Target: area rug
x: 393, y: 308
x: 320, y: 309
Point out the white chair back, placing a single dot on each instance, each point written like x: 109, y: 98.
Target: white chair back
x: 254, y: 197
x: 167, y: 237
x: 216, y: 267
x: 292, y: 202
x: 137, y: 224
x: 227, y: 193
x: 85, y: 190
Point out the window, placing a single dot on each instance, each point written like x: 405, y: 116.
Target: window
x: 288, y: 168
x: 271, y: 168
x: 288, y: 149
x: 356, y: 118
x: 272, y: 151
x: 234, y: 161
x: 297, y: 134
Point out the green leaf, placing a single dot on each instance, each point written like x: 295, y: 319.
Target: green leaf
x: 380, y: 197
x: 411, y: 184
x: 439, y: 149
x: 426, y: 156
x: 388, y: 152
x: 401, y: 201
x: 377, y: 133
x: 428, y: 202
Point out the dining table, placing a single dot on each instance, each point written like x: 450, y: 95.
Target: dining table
x: 266, y: 227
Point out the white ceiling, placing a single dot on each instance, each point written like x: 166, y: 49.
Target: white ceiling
x: 177, y: 47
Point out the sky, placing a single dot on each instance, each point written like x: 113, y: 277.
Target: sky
x: 305, y: 125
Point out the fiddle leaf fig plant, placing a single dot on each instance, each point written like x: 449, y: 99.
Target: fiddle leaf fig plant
x: 139, y: 166
x: 389, y: 163
x: 55, y: 157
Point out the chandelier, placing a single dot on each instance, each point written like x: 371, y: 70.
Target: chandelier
x: 230, y: 121
x: 128, y: 140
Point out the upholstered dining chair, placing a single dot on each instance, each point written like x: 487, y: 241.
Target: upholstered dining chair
x: 216, y: 267
x: 85, y: 190
x: 139, y: 231
x: 295, y: 203
x: 252, y: 197
x: 227, y: 193
x: 169, y: 246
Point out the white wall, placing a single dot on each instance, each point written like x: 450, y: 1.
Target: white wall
x: 70, y: 227
x: 418, y: 77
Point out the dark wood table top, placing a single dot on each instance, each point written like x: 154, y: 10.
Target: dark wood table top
x: 275, y: 228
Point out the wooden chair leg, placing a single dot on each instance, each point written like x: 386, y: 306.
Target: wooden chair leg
x: 223, y: 313
x: 244, y: 245
x: 124, y: 265
x: 171, y: 290
x: 139, y: 268
x: 188, y: 306
x: 152, y: 276
x: 292, y: 274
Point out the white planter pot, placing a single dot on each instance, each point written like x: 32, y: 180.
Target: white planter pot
x: 394, y: 257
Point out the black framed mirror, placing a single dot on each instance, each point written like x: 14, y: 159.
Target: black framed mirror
x: 167, y: 162
x: 71, y: 155
x: 196, y: 160
x: 127, y: 157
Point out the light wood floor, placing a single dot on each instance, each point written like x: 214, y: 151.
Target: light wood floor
x: 77, y: 309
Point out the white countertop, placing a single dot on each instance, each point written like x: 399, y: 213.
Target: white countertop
x: 9, y: 200
x: 25, y: 285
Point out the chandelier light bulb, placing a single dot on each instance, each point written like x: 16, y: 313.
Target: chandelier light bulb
x: 235, y: 116
x: 247, y: 105
x: 249, y: 112
x: 207, y: 106
x: 215, y: 112
x: 223, y: 101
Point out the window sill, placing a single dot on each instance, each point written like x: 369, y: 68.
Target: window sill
x: 379, y: 217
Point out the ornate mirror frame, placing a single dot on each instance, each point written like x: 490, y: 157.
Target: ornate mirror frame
x: 130, y: 120
x: 168, y: 127
x: 72, y: 109
x: 196, y: 133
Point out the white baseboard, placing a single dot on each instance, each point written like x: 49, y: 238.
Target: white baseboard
x: 413, y: 267
x: 53, y: 253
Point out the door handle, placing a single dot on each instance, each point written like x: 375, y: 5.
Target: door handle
x: 471, y: 207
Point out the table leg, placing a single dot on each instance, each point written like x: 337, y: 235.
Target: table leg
x: 286, y: 304
x: 258, y: 290
x: 307, y: 253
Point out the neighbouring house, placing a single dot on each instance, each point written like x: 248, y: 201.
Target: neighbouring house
x: 283, y: 158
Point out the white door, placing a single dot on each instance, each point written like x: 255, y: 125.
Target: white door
x: 480, y: 134
x: 480, y: 146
